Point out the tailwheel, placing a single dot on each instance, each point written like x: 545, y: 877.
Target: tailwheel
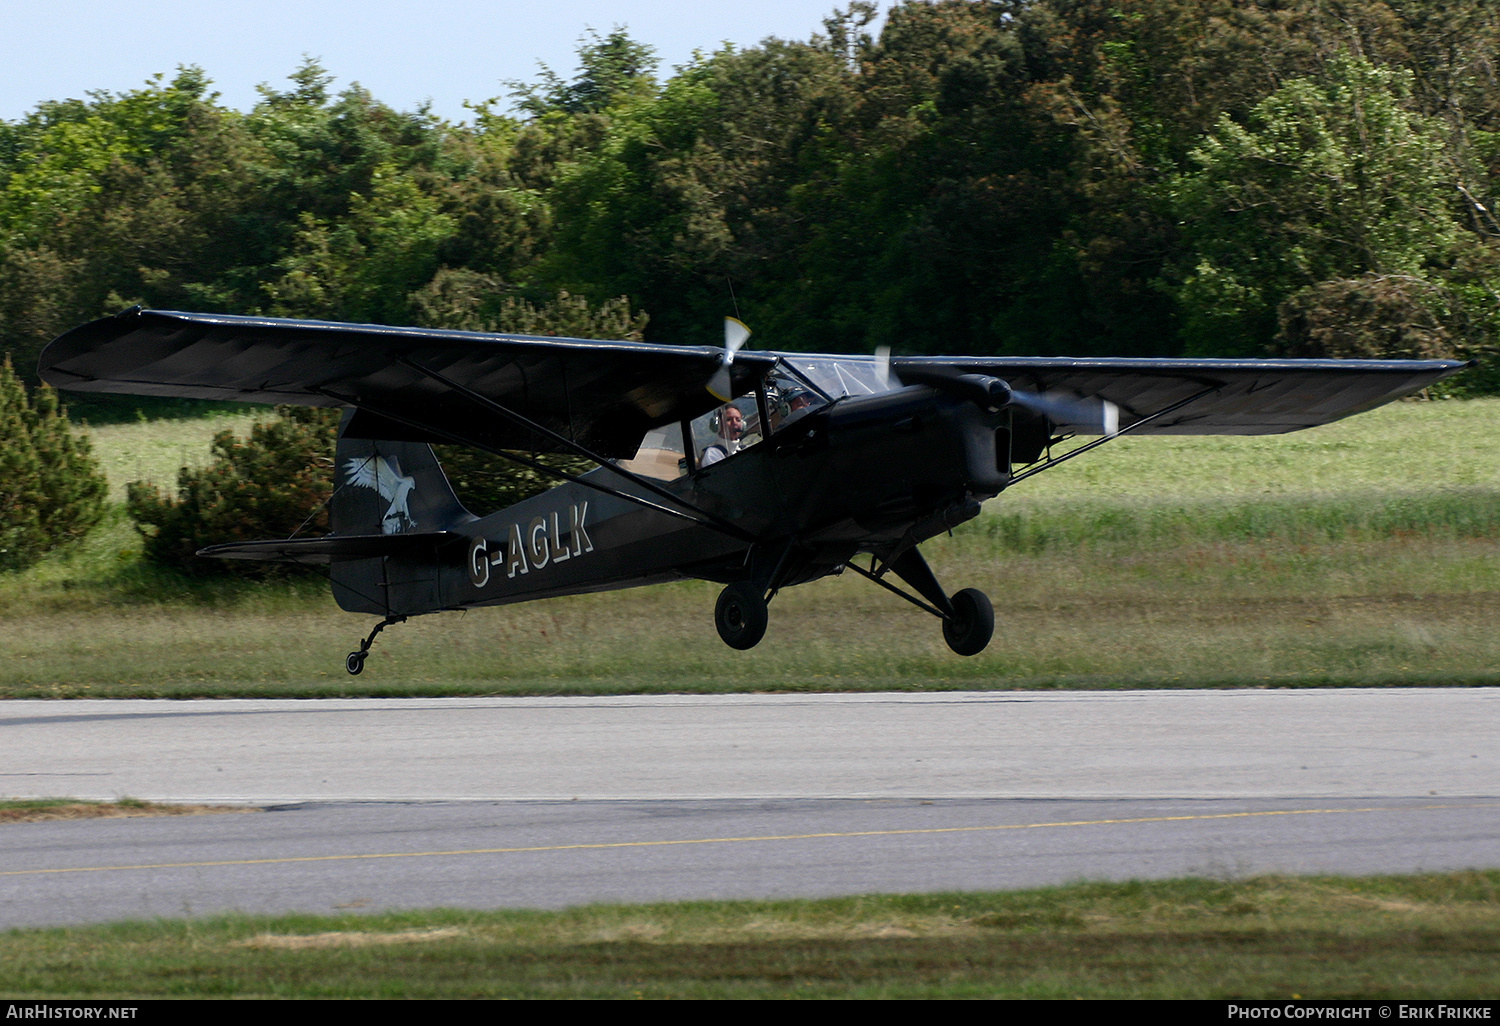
x: 354, y: 662
x: 740, y: 615
x: 972, y: 624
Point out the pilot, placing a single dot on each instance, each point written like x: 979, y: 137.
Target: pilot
x: 795, y: 401
x: 731, y: 430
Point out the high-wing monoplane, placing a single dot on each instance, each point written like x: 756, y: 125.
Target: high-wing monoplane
x: 756, y: 470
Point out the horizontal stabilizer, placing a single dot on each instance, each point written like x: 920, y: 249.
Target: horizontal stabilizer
x: 334, y: 548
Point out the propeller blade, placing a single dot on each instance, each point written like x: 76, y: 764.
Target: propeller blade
x: 736, y: 333
x: 721, y: 385
x: 883, y: 369
x: 1099, y: 415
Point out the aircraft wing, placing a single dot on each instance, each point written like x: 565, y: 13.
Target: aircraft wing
x: 413, y: 384
x: 430, y: 385
x: 1226, y: 397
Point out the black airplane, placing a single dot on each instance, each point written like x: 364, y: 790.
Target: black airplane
x: 757, y: 470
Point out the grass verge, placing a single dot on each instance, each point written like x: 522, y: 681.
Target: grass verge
x: 1428, y: 936
x: 33, y: 810
x: 1249, y: 613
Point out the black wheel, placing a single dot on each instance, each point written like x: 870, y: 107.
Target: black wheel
x: 354, y: 662
x: 740, y: 615
x: 970, y: 630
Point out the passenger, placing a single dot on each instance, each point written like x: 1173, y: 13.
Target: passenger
x: 731, y: 430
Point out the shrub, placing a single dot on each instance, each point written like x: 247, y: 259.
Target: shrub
x: 51, y: 489
x: 273, y: 484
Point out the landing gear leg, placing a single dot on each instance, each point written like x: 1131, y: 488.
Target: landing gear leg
x: 354, y: 662
x: 740, y: 615
x: 968, y: 618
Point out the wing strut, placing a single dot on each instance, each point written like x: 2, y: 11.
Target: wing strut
x: 1049, y: 464
x: 696, y: 512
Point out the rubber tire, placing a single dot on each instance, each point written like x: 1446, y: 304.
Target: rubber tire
x: 354, y: 662
x: 741, y: 616
x: 968, y: 632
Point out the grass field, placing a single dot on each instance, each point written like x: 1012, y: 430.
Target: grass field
x: 1408, y: 937
x: 155, y: 450
x: 1363, y: 553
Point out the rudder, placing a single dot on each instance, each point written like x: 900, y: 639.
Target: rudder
x: 384, y: 487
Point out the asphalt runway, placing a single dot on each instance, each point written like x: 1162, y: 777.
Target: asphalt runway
x: 540, y: 802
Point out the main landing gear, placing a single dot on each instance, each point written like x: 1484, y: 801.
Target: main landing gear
x: 972, y: 624
x: 741, y: 615
x: 354, y: 662
x: 968, y: 617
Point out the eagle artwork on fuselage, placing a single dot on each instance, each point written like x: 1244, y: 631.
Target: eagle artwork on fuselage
x: 825, y: 463
x: 383, y: 475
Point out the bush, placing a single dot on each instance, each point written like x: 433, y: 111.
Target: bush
x: 51, y: 489
x: 273, y: 484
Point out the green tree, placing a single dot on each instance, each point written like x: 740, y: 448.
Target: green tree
x: 362, y: 266
x: 271, y: 484
x: 119, y: 199
x: 611, y: 68
x: 690, y: 187
x: 1330, y: 178
x: 53, y: 491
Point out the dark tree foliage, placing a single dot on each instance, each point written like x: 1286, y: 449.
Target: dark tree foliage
x: 273, y: 484
x: 1374, y: 316
x: 53, y: 491
x: 611, y: 68
x: 1112, y: 177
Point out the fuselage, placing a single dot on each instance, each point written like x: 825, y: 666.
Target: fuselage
x: 861, y: 474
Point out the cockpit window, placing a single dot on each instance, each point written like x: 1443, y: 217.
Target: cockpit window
x: 789, y: 396
x: 660, y: 455
x: 799, y: 385
x: 795, y: 387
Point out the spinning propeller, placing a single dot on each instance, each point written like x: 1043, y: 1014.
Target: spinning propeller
x: 992, y: 393
x: 735, y: 335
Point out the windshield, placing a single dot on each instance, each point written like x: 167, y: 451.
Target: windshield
x: 795, y: 387
x: 839, y: 376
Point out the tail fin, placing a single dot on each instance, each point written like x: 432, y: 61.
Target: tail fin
x: 385, y: 487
